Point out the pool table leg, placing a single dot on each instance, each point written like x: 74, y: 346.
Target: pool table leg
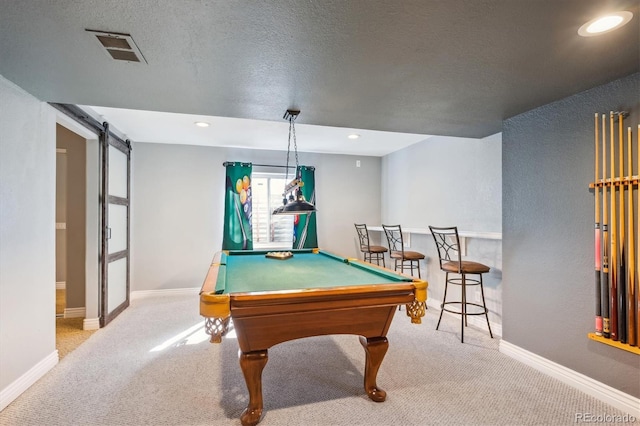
x: 252, y: 364
x: 375, y: 348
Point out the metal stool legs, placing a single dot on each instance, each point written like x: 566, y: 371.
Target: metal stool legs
x: 411, y: 266
x: 463, y: 282
x: 370, y: 257
x: 444, y: 298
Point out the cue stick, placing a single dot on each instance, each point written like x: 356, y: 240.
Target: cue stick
x: 638, y: 249
x: 598, y: 244
x: 622, y: 282
x: 605, y: 237
x: 613, y: 291
x: 631, y: 279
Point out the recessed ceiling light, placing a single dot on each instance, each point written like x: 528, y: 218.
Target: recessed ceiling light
x: 604, y: 24
x: 201, y: 124
x: 353, y: 136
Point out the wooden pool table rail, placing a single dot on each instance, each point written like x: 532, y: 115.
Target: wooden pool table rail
x: 315, y: 303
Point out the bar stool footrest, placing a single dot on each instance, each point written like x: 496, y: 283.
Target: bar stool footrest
x: 483, y: 311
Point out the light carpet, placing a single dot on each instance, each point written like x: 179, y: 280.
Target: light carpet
x: 154, y: 366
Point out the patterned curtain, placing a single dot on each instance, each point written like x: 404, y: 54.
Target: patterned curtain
x: 237, y: 208
x: 305, y: 234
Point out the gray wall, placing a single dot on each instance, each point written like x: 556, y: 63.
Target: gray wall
x: 27, y: 232
x: 446, y: 181
x: 74, y: 214
x: 549, y: 296
x: 178, y: 205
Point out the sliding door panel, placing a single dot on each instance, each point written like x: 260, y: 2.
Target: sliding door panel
x: 118, y: 215
x: 117, y: 284
x: 118, y: 172
x: 116, y: 190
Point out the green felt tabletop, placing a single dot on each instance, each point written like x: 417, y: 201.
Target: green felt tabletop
x: 253, y: 272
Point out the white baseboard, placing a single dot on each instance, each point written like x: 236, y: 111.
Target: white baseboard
x: 74, y: 312
x: 605, y: 393
x: 91, y: 324
x: 61, y: 285
x: 478, y: 321
x: 141, y: 294
x: 15, y: 389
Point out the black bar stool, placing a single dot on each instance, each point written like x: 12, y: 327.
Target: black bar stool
x: 448, y: 245
x: 398, y: 253
x: 370, y: 252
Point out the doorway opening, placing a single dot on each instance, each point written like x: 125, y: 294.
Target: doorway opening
x: 71, y: 240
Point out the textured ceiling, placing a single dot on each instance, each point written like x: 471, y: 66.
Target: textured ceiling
x: 455, y: 68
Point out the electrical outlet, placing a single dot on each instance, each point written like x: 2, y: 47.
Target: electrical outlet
x: 357, y: 163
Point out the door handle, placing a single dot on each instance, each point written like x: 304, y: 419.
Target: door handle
x: 108, y: 233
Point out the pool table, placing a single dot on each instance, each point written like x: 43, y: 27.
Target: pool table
x: 312, y: 293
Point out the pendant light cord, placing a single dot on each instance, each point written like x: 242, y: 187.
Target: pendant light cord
x: 292, y: 131
x: 288, y: 151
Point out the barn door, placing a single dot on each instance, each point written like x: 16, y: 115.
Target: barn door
x: 116, y: 176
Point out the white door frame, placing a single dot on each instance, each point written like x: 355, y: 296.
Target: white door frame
x: 92, y: 264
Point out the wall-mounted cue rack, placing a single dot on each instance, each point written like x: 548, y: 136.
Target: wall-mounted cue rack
x: 617, y: 255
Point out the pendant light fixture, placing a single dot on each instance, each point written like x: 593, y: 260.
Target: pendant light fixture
x: 293, y: 202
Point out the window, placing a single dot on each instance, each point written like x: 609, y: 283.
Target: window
x: 269, y: 231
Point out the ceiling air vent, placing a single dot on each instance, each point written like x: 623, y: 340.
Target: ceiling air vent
x: 120, y: 47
